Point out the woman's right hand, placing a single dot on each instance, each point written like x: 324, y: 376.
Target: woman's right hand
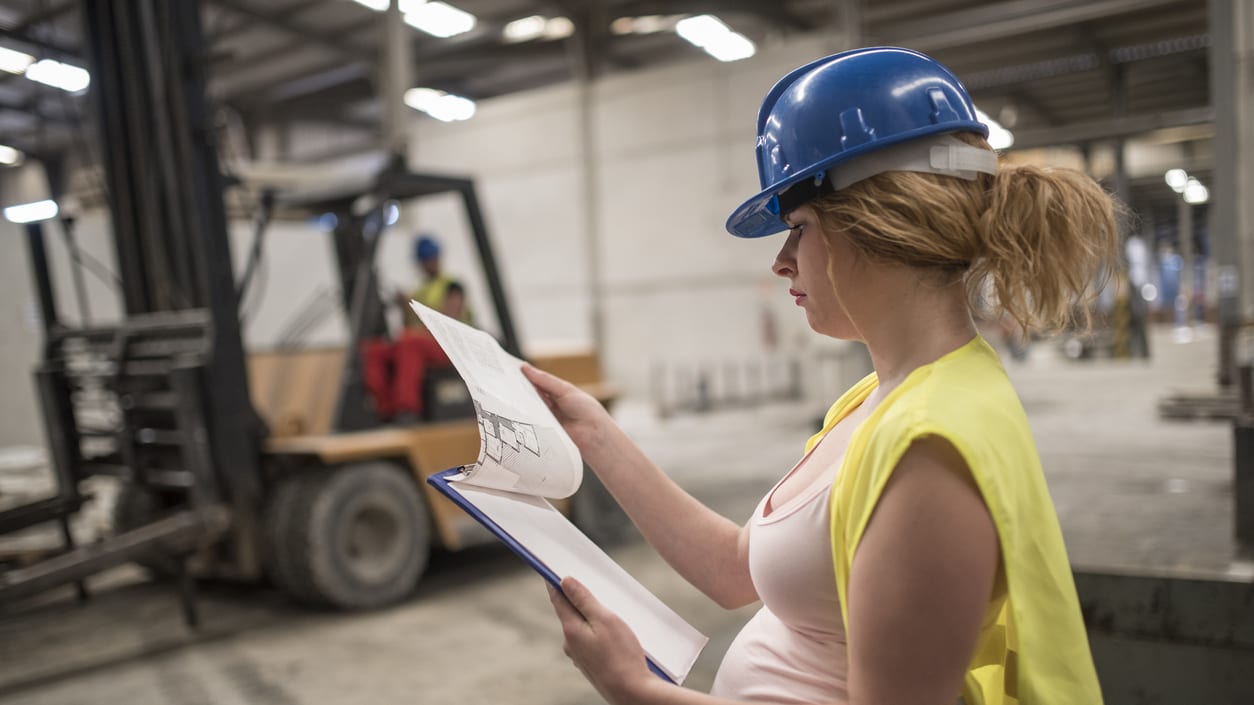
x: 583, y: 417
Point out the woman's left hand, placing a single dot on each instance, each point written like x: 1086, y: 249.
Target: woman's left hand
x: 600, y: 644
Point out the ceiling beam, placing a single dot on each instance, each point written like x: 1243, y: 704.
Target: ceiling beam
x: 332, y: 40
x: 1004, y: 19
x: 776, y: 12
x: 218, y: 62
x: 434, y: 69
x: 485, y: 36
x: 1025, y: 98
x: 1110, y: 128
x: 1081, y: 62
x: 41, y: 44
x: 33, y: 111
x: 323, y: 106
x: 42, y: 14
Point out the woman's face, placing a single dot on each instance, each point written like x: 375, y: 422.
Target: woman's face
x: 803, y: 261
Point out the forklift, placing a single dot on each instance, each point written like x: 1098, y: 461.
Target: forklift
x: 263, y: 467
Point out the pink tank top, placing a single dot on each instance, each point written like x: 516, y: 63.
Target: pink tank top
x: 793, y: 650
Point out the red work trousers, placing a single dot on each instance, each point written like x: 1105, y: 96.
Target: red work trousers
x: 394, y: 371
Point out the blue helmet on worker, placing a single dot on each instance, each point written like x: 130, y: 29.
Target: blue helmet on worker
x: 850, y: 116
x: 426, y: 248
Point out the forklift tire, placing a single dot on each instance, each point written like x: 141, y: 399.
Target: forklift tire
x: 597, y: 514
x: 133, y: 508
x: 281, y: 565
x: 353, y: 537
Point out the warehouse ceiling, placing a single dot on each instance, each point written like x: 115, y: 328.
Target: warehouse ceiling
x: 1060, y: 71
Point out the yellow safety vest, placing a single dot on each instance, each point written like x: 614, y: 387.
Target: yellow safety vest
x: 431, y: 294
x: 1034, y: 648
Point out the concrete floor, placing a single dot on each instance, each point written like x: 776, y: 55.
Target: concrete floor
x: 1132, y: 492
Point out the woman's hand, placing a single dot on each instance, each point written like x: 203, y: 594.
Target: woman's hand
x: 600, y: 644
x: 583, y: 417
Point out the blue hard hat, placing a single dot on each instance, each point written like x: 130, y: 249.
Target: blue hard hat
x: 841, y: 107
x: 425, y: 248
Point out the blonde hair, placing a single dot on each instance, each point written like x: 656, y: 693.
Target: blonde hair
x: 1038, y: 238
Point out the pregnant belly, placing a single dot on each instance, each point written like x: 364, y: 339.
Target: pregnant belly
x: 772, y: 662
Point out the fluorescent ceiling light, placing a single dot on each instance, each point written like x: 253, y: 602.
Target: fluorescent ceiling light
x: 998, y: 136
x: 10, y: 156
x: 1177, y: 179
x: 1195, y: 192
x: 14, y: 61
x: 58, y: 75
x: 406, y: 6
x: 645, y: 24
x: 440, y: 105
x: 525, y: 29
x: 31, y: 212
x: 731, y: 47
x: 438, y: 19
x: 716, y: 38
x: 435, y: 18
x: 537, y: 26
x: 558, y: 28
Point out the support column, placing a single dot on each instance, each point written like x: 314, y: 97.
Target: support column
x: 1184, y: 230
x: 590, y: 25
x: 1232, y: 220
x: 1232, y: 238
x: 847, y: 24
x: 397, y: 77
x: 1131, y: 336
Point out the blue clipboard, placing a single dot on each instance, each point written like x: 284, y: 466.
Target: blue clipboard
x: 440, y: 481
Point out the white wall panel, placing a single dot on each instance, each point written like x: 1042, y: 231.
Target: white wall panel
x: 515, y: 133
x: 297, y: 273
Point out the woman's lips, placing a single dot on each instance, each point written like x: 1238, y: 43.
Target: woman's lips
x: 796, y: 295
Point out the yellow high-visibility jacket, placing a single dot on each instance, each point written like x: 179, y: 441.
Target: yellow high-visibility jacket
x: 1033, y: 648
x: 431, y: 294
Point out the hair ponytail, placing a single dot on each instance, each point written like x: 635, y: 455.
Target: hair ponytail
x: 1047, y: 238
x: 1030, y: 241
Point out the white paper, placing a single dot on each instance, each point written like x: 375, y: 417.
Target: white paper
x: 526, y: 455
x: 667, y: 639
x: 522, y: 447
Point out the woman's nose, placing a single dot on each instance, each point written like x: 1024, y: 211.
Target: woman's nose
x: 786, y: 261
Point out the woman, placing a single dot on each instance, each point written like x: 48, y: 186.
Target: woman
x: 913, y: 554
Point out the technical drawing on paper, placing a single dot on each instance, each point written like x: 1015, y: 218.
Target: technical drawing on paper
x: 504, y: 439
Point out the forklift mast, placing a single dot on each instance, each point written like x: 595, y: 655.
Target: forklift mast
x: 164, y: 185
x: 178, y: 422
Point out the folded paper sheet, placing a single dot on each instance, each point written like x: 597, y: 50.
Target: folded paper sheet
x: 525, y: 456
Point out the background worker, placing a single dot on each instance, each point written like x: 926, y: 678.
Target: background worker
x: 394, y: 371
x: 434, y: 292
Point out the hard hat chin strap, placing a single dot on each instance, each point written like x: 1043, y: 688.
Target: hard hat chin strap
x: 939, y: 154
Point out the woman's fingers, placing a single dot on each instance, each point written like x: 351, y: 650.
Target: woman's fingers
x: 549, y: 384
x: 599, y: 643
x: 581, y: 598
x: 566, y: 612
x: 563, y: 398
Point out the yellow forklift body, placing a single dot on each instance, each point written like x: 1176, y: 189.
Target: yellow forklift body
x: 293, y: 391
